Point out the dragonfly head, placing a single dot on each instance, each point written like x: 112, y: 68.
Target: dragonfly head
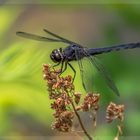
x: 56, y: 55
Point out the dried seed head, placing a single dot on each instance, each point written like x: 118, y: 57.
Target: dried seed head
x: 64, y: 122
x: 57, y: 86
x: 77, y: 97
x: 91, y: 101
x: 59, y: 89
x: 114, y: 112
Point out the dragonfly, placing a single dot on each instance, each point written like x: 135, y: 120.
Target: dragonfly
x: 76, y: 52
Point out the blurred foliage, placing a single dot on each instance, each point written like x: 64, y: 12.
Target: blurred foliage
x: 24, y: 104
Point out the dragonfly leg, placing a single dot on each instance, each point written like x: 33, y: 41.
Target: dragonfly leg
x: 56, y: 64
x: 73, y: 71
x: 62, y: 66
x: 65, y: 67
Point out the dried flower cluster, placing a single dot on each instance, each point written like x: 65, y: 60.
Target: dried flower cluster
x: 61, y: 89
x: 66, y: 103
x: 56, y: 84
x: 91, y: 101
x: 114, y: 112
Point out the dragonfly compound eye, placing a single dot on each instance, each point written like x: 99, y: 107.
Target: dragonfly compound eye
x: 56, y: 55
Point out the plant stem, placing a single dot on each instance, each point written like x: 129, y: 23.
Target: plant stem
x: 80, y: 121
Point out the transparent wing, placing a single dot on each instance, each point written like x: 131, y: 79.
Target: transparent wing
x: 85, y: 71
x: 103, y: 71
x: 41, y: 38
x: 80, y: 67
x: 36, y: 37
x: 59, y: 37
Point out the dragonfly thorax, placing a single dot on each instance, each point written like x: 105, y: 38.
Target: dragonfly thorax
x: 56, y: 55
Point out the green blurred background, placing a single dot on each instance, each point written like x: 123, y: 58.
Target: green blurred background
x: 24, y: 104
